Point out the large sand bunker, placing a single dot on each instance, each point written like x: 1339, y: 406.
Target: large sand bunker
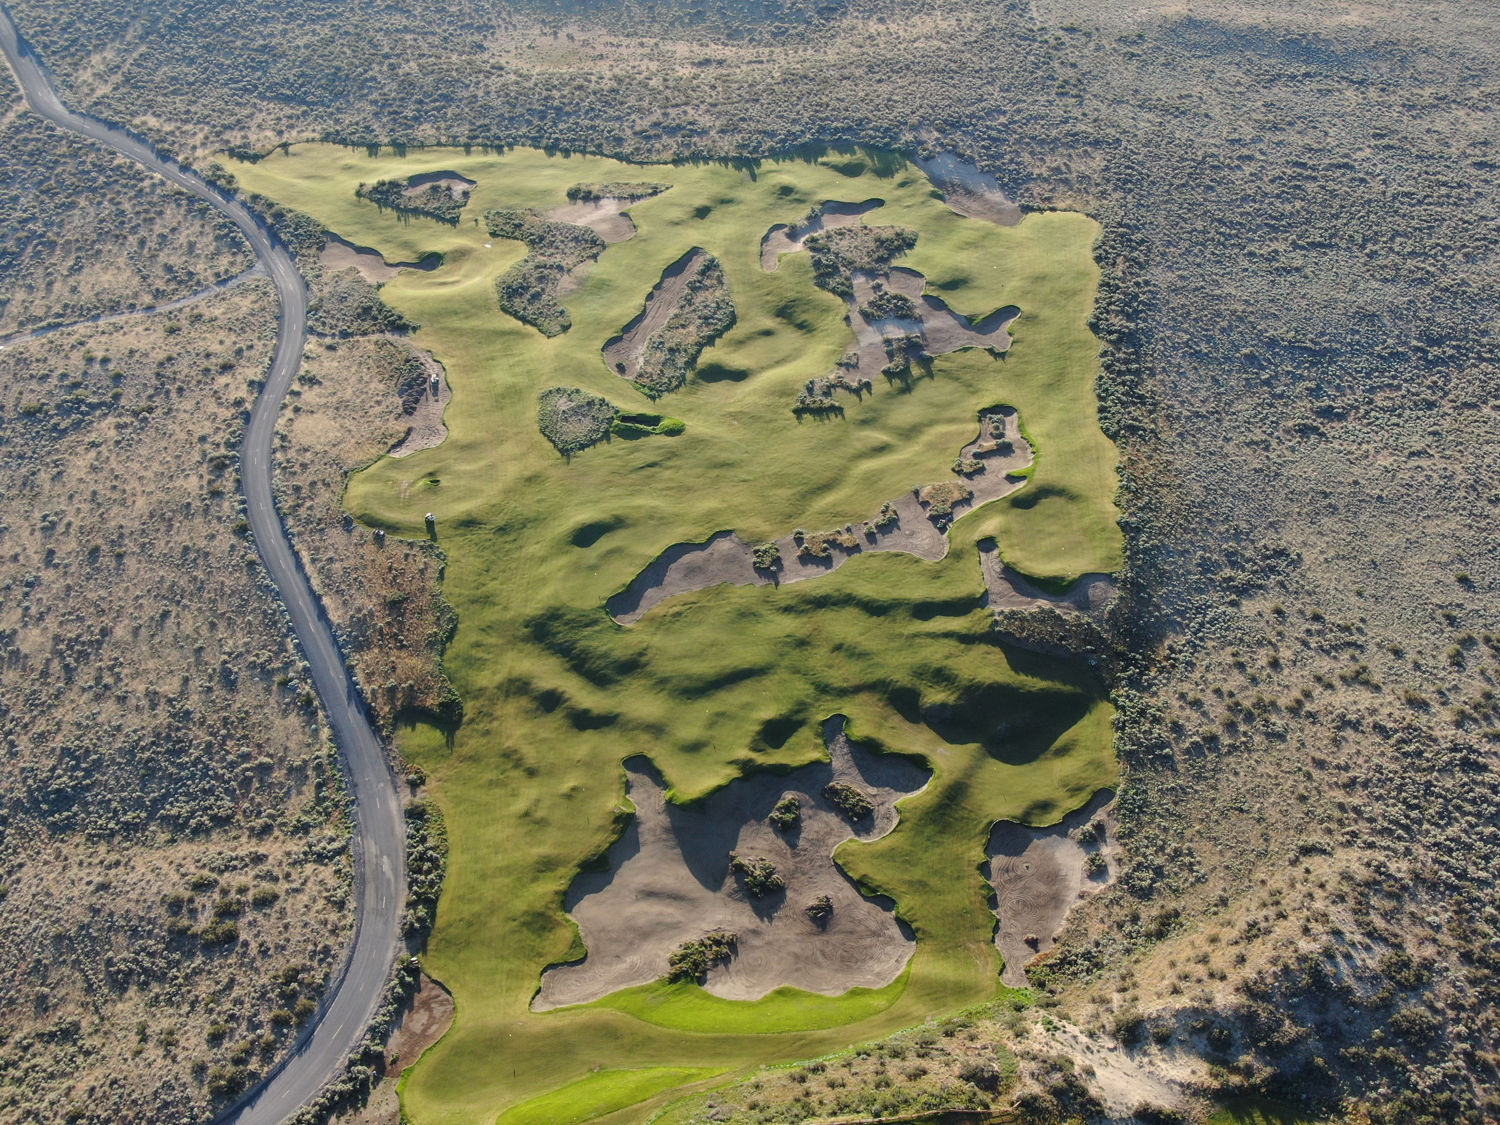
x: 605, y: 217
x: 907, y: 524
x: 1008, y: 589
x: 970, y: 192
x: 669, y: 881
x: 340, y: 254
x: 426, y: 414
x: 939, y: 329
x: 458, y: 186
x: 782, y: 239
x: 1039, y: 873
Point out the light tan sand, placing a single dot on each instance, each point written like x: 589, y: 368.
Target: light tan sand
x: 1037, y: 875
x: 623, y: 352
x: 940, y: 328
x: 1122, y: 1080
x: 782, y: 239
x: 605, y: 217
x: 458, y: 186
x: 727, y: 558
x: 970, y: 192
x: 669, y: 882
x: 338, y: 254
x: 427, y: 428
x: 1091, y: 594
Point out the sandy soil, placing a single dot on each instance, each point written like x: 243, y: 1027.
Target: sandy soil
x: 1121, y: 1080
x: 725, y: 557
x: 669, y: 882
x: 422, y: 1025
x: 1091, y: 594
x: 623, y: 352
x: 458, y: 186
x: 970, y: 192
x: 782, y: 239
x: 941, y: 329
x: 1038, y: 874
x: 338, y: 254
x: 427, y: 428
x: 605, y: 217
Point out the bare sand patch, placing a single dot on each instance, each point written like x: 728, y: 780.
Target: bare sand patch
x: 605, y: 217
x: 782, y: 239
x: 1008, y: 589
x: 685, y: 312
x: 1039, y: 873
x: 669, y: 881
x: 938, y: 328
x: 906, y: 524
x: 458, y: 186
x: 340, y: 254
x: 426, y: 415
x: 969, y: 192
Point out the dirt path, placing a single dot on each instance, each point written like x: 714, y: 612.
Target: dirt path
x: 1008, y: 589
x: 782, y: 239
x: 340, y: 254
x: 257, y: 270
x: 669, y: 882
x: 727, y: 558
x: 623, y: 353
x: 1038, y: 874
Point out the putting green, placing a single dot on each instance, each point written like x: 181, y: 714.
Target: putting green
x: 729, y: 679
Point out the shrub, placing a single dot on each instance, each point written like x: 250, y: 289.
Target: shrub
x: 940, y: 498
x: 692, y: 959
x: 528, y: 290
x: 223, y: 932
x: 853, y: 803
x: 767, y: 557
x: 263, y: 897
x: 590, y: 193
x: 838, y: 253
x: 786, y: 814
x: 434, y: 201
x: 572, y: 419
x: 757, y: 874
x: 704, y: 312
x: 820, y: 910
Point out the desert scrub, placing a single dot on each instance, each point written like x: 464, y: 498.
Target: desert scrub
x: 426, y: 865
x: 888, y: 515
x: 816, y: 396
x: 346, y: 305
x: 786, y: 814
x: 704, y: 312
x: 838, y: 253
x: 819, y: 910
x: 886, y: 305
x: 940, y: 498
x: 967, y: 466
x: 767, y: 556
x: 758, y: 875
x: 434, y: 201
x: 528, y: 290
x: 617, y: 189
x: 691, y: 960
x: 572, y: 419
x: 852, y: 802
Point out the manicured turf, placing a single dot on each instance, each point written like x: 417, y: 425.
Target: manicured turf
x: 557, y: 695
x: 603, y: 1092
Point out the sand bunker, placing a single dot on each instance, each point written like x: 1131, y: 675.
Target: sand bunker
x: 1039, y: 873
x: 1091, y: 594
x: 970, y: 192
x: 685, y: 312
x: 605, y: 217
x: 907, y: 524
x: 669, y: 881
x: 338, y: 254
x: 426, y: 417
x: 782, y: 239
x: 623, y: 353
x: 458, y: 186
x: 938, y: 328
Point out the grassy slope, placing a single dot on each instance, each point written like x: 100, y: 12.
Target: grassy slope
x: 557, y: 695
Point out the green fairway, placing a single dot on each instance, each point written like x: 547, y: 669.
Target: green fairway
x: 715, y: 683
x: 600, y: 1094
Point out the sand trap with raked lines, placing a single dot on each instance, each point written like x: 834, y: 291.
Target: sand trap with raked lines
x: 907, y: 523
x: 669, y: 881
x: 1007, y: 589
x: 341, y: 254
x: 782, y: 239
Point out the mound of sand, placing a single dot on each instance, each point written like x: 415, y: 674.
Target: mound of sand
x: 339, y: 254
x: 1091, y: 594
x: 1039, y: 873
x: 970, y: 192
x: 669, y: 881
x: 782, y: 239
x: 1000, y: 451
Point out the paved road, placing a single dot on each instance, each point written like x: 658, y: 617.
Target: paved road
x: 380, y: 840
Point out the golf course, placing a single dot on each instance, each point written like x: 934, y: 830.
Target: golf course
x: 594, y: 426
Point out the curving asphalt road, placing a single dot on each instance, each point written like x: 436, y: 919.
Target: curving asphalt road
x: 379, y: 836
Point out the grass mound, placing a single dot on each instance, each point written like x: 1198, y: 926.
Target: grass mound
x: 572, y: 419
x: 528, y: 290
x: 434, y: 201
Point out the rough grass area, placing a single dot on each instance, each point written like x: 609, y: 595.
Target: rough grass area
x: 557, y: 695
x: 572, y: 419
x: 528, y: 291
x: 620, y: 189
x: 433, y: 201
